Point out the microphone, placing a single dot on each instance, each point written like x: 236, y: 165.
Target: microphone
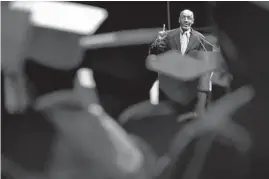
x: 207, y: 42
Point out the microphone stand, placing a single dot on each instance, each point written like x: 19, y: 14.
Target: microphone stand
x: 168, y: 15
x: 204, y: 95
x: 154, y: 91
x: 207, y: 42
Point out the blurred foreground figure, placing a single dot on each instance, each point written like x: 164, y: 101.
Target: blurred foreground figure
x: 63, y: 132
x: 67, y: 134
x: 229, y: 141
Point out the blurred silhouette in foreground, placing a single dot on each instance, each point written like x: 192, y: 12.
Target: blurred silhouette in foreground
x: 63, y: 132
x: 66, y: 133
x: 228, y: 141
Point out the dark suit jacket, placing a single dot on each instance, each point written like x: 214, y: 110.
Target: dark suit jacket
x: 172, y: 42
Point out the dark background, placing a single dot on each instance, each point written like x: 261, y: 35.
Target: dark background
x: 131, y: 15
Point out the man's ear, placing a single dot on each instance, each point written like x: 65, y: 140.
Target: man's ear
x: 192, y: 21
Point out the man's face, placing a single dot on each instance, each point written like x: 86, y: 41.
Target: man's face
x: 186, y: 20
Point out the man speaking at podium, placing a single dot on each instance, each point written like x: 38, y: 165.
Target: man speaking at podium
x: 185, y: 40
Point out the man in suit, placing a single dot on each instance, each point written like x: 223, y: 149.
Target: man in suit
x: 185, y: 40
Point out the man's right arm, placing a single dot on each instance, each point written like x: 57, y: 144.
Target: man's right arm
x: 159, y: 46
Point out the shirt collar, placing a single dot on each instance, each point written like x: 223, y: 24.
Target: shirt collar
x: 188, y: 31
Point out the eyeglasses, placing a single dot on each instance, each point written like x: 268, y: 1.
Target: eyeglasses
x: 186, y: 17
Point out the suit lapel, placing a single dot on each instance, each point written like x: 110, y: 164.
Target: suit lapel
x: 177, y: 40
x: 177, y: 44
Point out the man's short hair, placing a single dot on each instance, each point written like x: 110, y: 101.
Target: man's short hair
x: 186, y: 10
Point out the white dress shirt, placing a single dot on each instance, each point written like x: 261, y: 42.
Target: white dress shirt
x: 184, y: 40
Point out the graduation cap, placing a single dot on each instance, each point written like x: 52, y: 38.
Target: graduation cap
x: 56, y: 28
x: 185, y: 68
x: 48, y: 33
x: 63, y: 16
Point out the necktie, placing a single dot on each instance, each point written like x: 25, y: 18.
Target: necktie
x: 184, y: 42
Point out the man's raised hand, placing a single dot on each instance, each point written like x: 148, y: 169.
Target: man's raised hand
x: 162, y: 34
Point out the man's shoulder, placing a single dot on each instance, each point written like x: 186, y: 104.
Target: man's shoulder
x: 172, y: 32
x: 195, y: 32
